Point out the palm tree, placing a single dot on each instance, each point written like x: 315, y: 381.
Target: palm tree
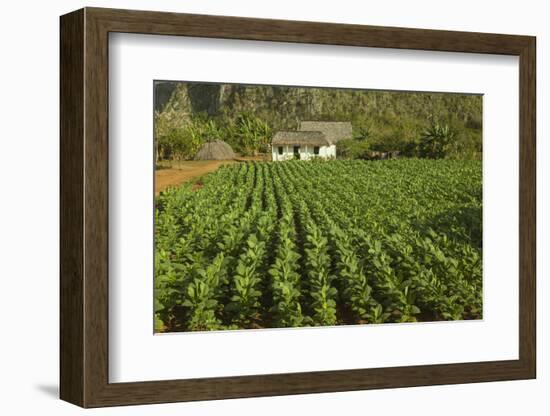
x: 435, y: 141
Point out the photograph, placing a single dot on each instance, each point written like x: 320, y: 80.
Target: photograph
x: 280, y: 206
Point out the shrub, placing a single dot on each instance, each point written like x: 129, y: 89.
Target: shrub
x: 352, y: 149
x: 436, y: 141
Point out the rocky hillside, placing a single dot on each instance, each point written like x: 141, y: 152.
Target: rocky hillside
x: 390, y: 120
x: 283, y: 107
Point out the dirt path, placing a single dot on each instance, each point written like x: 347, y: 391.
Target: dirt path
x: 185, y: 171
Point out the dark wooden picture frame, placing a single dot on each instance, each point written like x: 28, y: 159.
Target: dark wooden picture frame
x: 84, y: 207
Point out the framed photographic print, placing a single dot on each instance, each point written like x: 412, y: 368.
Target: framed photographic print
x: 255, y: 207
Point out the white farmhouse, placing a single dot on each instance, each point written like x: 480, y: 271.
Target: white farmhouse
x: 313, y: 139
x: 302, y: 145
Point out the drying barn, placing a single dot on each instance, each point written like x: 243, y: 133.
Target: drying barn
x: 313, y: 139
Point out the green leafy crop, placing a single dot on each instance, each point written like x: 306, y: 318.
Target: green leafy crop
x: 290, y: 244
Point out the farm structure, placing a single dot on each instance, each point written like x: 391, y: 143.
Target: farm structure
x: 215, y: 150
x: 313, y: 139
x: 302, y: 145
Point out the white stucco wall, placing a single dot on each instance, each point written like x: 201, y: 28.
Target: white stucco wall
x: 306, y: 152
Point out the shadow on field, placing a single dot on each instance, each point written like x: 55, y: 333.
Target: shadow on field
x: 464, y: 224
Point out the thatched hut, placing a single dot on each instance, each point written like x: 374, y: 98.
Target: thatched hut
x: 215, y: 150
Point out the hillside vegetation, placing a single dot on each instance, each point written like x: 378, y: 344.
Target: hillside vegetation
x: 433, y: 125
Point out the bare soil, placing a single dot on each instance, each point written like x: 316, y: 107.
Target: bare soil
x: 177, y: 173
x: 174, y: 173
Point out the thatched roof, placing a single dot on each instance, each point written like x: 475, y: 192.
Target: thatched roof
x: 334, y: 131
x: 312, y: 138
x: 215, y: 150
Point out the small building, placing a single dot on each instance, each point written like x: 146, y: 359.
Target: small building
x: 302, y: 145
x: 215, y: 150
x: 313, y: 139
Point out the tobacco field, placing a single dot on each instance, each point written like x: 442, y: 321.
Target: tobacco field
x: 292, y: 244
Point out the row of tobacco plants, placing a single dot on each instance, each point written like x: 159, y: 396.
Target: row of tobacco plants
x: 290, y: 244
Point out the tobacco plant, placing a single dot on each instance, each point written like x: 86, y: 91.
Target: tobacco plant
x: 323, y: 243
